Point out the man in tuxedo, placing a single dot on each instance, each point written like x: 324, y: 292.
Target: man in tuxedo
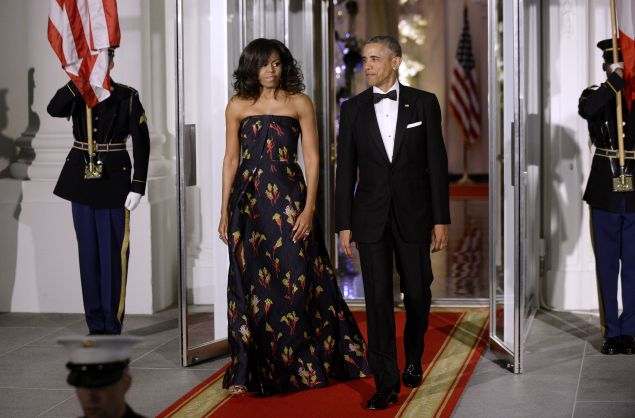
x: 392, y: 199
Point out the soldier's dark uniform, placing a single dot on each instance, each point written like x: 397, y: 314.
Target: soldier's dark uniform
x: 101, y: 221
x: 612, y: 213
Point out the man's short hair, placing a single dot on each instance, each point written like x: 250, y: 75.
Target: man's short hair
x: 387, y: 41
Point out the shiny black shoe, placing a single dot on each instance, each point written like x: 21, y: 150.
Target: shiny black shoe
x: 627, y: 343
x: 382, y: 400
x: 611, y: 346
x: 412, y: 376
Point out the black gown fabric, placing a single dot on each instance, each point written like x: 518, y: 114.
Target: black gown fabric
x: 289, y: 327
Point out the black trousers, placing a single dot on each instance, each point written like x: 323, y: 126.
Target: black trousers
x: 415, y: 274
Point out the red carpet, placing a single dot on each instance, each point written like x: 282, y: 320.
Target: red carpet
x: 474, y: 191
x: 454, y: 342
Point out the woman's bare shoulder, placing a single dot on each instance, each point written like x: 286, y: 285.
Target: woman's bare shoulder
x: 301, y: 102
x: 299, y: 98
x: 237, y: 106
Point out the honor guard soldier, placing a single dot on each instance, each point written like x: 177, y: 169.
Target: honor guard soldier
x: 99, y: 372
x: 96, y: 179
x: 612, y: 208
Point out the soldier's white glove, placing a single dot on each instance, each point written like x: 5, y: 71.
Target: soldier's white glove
x: 617, y: 65
x: 132, y: 200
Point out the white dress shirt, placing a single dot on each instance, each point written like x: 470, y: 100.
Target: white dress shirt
x: 386, y: 112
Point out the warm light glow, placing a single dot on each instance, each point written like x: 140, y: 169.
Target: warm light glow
x: 412, y: 35
x: 409, y: 70
x: 412, y: 29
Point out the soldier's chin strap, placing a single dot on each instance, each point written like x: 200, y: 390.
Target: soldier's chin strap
x: 622, y: 183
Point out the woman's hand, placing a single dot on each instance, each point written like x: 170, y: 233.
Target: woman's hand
x: 222, y: 227
x: 302, y: 227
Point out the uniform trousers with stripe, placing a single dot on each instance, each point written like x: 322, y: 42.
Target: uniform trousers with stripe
x: 614, y: 247
x: 103, y: 242
x: 415, y: 275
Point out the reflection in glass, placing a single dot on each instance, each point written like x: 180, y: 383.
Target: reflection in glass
x: 531, y: 162
x: 504, y: 175
x: 198, y: 174
x: 499, y: 173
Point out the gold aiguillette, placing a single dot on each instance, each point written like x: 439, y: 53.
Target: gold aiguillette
x: 92, y: 170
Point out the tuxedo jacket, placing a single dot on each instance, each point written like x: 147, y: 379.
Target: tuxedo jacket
x: 114, y: 120
x: 415, y: 184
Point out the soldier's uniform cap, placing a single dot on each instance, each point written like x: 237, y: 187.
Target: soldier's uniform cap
x: 99, y: 360
x: 606, y: 46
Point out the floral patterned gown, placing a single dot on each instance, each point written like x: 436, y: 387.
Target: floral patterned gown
x: 289, y: 327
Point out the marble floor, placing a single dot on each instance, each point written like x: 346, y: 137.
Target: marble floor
x: 565, y: 375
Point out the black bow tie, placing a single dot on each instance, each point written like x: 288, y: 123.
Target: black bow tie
x: 378, y: 97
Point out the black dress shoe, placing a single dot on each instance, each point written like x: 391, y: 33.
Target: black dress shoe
x: 611, y: 346
x: 382, y: 400
x: 627, y: 344
x: 412, y: 376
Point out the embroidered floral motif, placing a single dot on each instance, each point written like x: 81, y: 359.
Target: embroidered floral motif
x: 289, y: 326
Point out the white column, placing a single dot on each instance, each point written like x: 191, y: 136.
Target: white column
x: 41, y: 250
x: 206, y: 78
x: 219, y: 94
x: 141, y: 62
x: 44, y: 273
x: 574, y: 28
x: 46, y: 139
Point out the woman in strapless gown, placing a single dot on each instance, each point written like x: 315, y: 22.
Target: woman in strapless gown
x: 289, y: 327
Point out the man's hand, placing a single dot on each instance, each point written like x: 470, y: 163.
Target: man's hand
x: 345, y: 242
x: 132, y: 200
x: 439, y: 237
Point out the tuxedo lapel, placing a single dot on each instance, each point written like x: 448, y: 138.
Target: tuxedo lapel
x: 403, y: 116
x: 368, y: 114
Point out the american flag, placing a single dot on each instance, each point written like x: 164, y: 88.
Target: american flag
x: 626, y: 19
x: 463, y: 96
x: 80, y: 32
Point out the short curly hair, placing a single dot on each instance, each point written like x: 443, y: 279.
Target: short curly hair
x: 387, y: 41
x: 255, y: 56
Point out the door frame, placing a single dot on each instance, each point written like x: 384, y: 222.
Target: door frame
x: 525, y: 299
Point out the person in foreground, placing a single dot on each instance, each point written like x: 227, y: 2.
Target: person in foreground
x: 289, y: 327
x: 392, y: 197
x: 99, y: 371
x: 612, y: 213
x: 101, y: 206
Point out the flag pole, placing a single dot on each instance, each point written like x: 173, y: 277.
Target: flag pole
x: 623, y: 183
x: 93, y: 171
x: 466, y: 177
x: 89, y: 138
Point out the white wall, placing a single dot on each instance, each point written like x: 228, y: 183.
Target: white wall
x: 572, y: 62
x: 39, y: 270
